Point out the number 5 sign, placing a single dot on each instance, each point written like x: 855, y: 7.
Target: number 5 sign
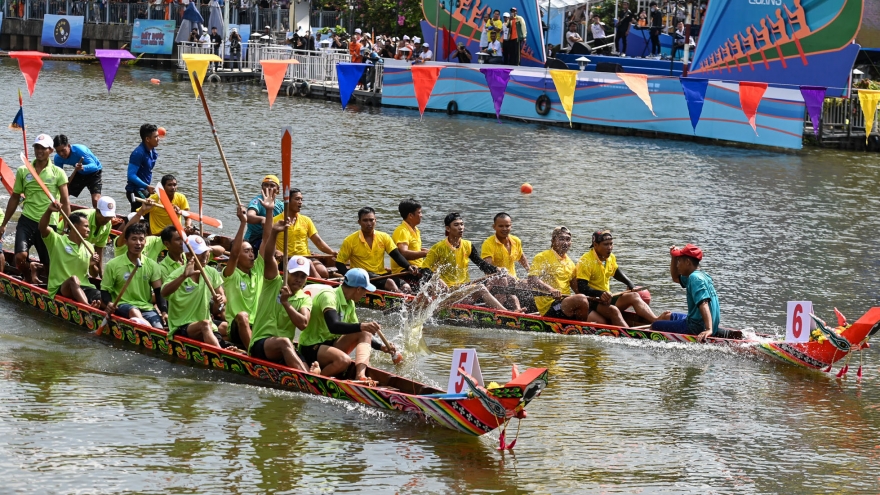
x: 467, y: 359
x: 798, y: 323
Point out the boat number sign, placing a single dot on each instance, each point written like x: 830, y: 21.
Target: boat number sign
x: 798, y: 323
x: 467, y: 359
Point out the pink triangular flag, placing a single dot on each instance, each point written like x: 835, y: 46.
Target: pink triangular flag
x: 638, y: 84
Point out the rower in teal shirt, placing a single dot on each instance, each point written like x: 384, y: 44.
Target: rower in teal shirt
x: 703, y: 317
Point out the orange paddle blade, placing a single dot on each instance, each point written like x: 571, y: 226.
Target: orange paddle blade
x: 169, y: 208
x: 205, y: 219
x: 286, y: 144
x: 7, y: 176
x: 37, y: 177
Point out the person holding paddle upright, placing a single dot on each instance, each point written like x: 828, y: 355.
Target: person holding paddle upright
x: 256, y: 212
x: 553, y: 272
x: 242, y: 282
x: 69, y: 274
x: 366, y: 249
x: 594, y: 272
x: 136, y: 299
x: 703, y: 316
x: 27, y: 232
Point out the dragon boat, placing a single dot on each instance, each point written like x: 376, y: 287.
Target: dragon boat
x: 476, y: 412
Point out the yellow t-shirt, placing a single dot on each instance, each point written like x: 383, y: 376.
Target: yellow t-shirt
x: 449, y: 263
x: 594, y: 272
x: 413, y: 239
x: 554, y: 271
x: 355, y: 250
x: 159, y: 218
x: 298, y: 235
x: 500, y: 257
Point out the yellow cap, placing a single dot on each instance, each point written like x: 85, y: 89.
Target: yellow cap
x: 272, y: 178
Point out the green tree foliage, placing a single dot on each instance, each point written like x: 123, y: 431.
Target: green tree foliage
x: 381, y: 16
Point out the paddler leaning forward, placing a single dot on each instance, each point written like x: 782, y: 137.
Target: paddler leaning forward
x: 136, y: 301
x: 281, y: 307
x: 554, y: 272
x: 69, y: 270
x: 334, y: 331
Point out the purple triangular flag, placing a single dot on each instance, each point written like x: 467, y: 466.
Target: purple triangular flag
x: 110, y: 63
x: 814, y: 98
x: 497, y: 80
x: 695, y: 95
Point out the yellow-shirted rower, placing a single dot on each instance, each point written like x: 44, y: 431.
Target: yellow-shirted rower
x: 554, y: 272
x: 366, y: 249
x: 504, y: 250
x: 298, y: 234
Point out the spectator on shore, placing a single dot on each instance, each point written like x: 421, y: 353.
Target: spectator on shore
x: 205, y: 39
x: 484, y: 33
x: 194, y: 36
x: 656, y: 28
x: 235, y: 49
x: 462, y: 54
x: 367, y: 43
x: 597, y: 29
x: 494, y: 49
x: 642, y: 20
x: 516, y: 37
x: 389, y: 50
x: 354, y: 49
x: 624, y: 22
x: 572, y: 36
x: 427, y: 55
x: 404, y: 52
x: 679, y: 40
x: 216, y: 42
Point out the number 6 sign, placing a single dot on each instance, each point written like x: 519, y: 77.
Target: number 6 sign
x: 798, y: 323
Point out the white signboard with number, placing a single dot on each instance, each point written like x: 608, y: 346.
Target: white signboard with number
x: 467, y: 359
x: 798, y: 323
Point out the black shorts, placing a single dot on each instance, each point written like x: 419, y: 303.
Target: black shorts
x: 143, y: 194
x: 27, y: 234
x: 82, y: 181
x: 232, y: 333
x: 258, y: 351
x: 310, y: 354
x: 555, y: 311
x: 91, y: 294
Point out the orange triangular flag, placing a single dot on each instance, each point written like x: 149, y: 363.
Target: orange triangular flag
x: 750, y: 94
x: 274, y: 71
x: 424, y: 78
x: 638, y: 84
x: 30, y: 63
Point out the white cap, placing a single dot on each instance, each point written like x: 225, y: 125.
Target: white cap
x: 197, y: 244
x: 358, y: 31
x: 426, y: 45
x: 298, y: 264
x: 405, y: 37
x: 367, y: 35
x: 416, y: 39
x: 45, y: 141
x: 506, y: 14
x: 107, y: 206
x: 267, y: 27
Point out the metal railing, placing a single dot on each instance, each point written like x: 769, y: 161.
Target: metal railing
x: 841, y: 117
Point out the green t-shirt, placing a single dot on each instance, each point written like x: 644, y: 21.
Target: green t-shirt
x: 166, y: 267
x: 36, y: 202
x: 243, y: 291
x: 191, y: 301
x: 97, y: 235
x: 140, y: 291
x: 271, y: 319
x: 152, y: 248
x: 317, y: 331
x: 68, y: 260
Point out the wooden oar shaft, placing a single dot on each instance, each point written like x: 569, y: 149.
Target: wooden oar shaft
x: 216, y: 137
x: 386, y: 276
x: 118, y: 298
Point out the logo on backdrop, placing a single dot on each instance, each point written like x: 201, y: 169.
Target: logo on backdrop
x: 62, y: 31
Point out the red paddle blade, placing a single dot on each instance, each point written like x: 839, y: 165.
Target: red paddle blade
x: 36, y: 177
x: 286, y: 145
x: 7, y: 176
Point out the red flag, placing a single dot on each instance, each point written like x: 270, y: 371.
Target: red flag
x: 30, y: 63
x: 448, y: 43
x: 424, y: 78
x: 750, y: 94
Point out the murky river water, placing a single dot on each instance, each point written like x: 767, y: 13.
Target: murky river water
x: 82, y: 415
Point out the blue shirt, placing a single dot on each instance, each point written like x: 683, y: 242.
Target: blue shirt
x: 91, y: 164
x: 140, y: 168
x: 255, y: 230
x: 700, y: 288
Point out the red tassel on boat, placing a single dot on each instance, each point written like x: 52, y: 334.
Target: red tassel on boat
x: 501, y: 445
x: 828, y: 369
x: 859, y: 373
x: 515, y: 372
x: 842, y: 372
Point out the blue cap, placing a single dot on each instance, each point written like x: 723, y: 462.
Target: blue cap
x: 358, y: 277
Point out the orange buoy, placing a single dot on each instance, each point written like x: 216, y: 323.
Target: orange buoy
x: 161, y: 131
x: 155, y: 81
x: 525, y: 188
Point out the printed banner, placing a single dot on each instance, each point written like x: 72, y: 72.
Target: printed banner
x: 63, y: 31
x: 788, y: 42
x: 155, y: 37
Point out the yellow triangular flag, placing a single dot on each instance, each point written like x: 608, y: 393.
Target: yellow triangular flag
x: 566, y: 82
x: 869, y: 98
x: 638, y: 84
x: 198, y: 62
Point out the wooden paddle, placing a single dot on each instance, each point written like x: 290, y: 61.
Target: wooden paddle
x: 7, y: 176
x: 201, y: 223
x: 52, y: 199
x: 106, y: 319
x: 286, y: 145
x: 169, y: 208
x: 397, y: 357
x: 387, y: 276
x: 198, y: 84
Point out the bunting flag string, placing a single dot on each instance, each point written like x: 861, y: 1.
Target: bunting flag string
x: 750, y: 94
x: 869, y: 99
x: 814, y: 99
x: 638, y: 84
x: 348, y: 75
x: 424, y: 78
x: 694, y: 95
x: 497, y: 80
x: 198, y: 63
x: 30, y: 63
x: 273, y: 72
x: 565, y: 82
x: 110, y: 63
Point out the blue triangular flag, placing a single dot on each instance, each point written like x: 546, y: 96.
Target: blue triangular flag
x: 193, y: 15
x: 348, y: 74
x: 18, y: 121
x: 694, y: 93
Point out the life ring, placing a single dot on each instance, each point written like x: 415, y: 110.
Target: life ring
x: 304, y: 89
x: 452, y: 108
x: 214, y: 78
x: 542, y: 105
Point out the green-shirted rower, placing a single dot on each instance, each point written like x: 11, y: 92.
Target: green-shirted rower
x: 99, y: 229
x: 242, y: 282
x: 281, y: 308
x: 69, y: 270
x: 137, y: 301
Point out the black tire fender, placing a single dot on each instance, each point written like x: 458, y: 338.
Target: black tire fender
x: 542, y: 105
x: 452, y: 108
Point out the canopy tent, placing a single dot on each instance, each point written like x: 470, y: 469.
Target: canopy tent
x: 191, y: 19
x: 215, y: 19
